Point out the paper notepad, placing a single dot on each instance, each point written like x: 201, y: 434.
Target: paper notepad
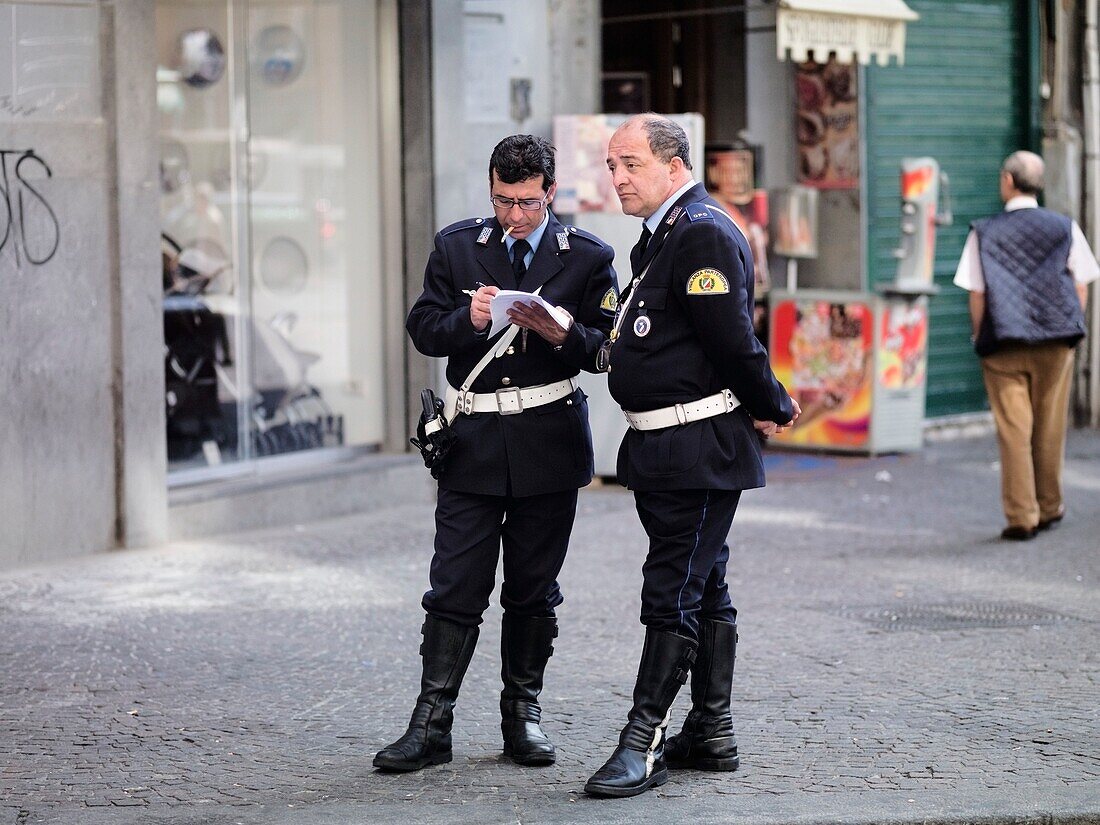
x: 507, y: 298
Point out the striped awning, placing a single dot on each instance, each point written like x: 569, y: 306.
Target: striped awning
x: 849, y: 29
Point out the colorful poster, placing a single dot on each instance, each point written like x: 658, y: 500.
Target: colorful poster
x: 822, y: 353
x: 827, y: 125
x: 903, y: 347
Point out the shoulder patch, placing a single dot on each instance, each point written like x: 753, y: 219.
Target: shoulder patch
x: 580, y: 233
x: 699, y: 212
x: 707, y: 282
x: 610, y: 300
x: 469, y: 223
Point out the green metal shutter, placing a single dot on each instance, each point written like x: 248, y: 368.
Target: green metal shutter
x: 962, y: 97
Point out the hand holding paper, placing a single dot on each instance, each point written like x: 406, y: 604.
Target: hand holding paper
x: 508, y: 298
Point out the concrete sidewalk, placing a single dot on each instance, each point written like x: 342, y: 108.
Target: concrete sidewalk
x: 898, y: 664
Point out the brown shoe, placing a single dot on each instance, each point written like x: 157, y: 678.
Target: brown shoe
x: 1014, y: 533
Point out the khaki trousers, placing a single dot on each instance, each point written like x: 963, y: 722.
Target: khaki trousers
x: 1028, y: 389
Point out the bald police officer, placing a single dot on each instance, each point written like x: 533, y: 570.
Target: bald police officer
x: 523, y: 445
x: 697, y: 390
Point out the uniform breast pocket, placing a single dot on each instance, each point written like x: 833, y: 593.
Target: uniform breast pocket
x: 647, y: 312
x: 568, y: 306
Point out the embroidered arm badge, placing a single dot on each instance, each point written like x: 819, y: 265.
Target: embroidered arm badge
x: 707, y: 282
x: 610, y: 300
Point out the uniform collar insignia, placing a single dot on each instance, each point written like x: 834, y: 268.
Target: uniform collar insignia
x: 483, y: 238
x: 673, y: 215
x: 563, y: 241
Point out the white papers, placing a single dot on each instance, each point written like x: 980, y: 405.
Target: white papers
x: 507, y: 298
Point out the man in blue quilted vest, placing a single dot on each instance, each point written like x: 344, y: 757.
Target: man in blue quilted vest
x: 1027, y: 270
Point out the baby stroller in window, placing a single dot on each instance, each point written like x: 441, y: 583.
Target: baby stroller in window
x: 202, y: 393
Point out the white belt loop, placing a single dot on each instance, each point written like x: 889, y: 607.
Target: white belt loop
x: 681, y: 414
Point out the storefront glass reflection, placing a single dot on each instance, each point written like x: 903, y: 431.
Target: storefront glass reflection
x: 261, y: 179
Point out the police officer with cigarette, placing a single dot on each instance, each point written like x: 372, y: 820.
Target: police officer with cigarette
x: 521, y: 443
x: 698, y: 393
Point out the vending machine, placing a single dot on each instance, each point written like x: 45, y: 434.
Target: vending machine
x: 857, y: 362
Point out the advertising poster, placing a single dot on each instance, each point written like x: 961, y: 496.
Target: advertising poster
x: 822, y: 353
x: 827, y: 125
x: 731, y: 173
x: 903, y: 348
x: 731, y: 180
x: 796, y: 222
x: 584, y: 184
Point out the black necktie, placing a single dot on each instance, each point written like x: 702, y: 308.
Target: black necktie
x: 519, y: 251
x: 638, y: 251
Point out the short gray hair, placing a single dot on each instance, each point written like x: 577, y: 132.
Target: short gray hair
x: 667, y: 138
x: 1026, y: 170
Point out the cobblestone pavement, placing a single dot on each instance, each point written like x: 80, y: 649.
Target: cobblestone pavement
x: 898, y: 663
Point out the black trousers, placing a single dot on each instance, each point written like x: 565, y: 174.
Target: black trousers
x: 470, y: 530
x: 684, y: 575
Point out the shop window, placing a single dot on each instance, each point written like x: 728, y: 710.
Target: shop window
x: 271, y: 258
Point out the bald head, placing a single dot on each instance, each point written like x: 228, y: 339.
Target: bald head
x: 1022, y: 174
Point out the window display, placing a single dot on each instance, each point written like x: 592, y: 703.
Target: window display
x: 201, y: 58
x: 270, y: 251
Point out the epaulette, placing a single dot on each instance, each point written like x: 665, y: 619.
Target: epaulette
x: 580, y: 233
x: 469, y: 223
x: 699, y: 212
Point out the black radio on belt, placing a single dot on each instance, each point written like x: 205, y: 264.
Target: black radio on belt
x: 603, y: 357
x: 434, y: 436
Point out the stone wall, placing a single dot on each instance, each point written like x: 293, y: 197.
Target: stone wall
x: 81, y: 407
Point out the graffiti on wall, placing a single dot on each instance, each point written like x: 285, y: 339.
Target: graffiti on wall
x: 29, y: 229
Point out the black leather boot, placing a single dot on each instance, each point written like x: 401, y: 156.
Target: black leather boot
x: 638, y: 763
x: 446, y: 651
x: 526, y: 643
x: 707, y: 741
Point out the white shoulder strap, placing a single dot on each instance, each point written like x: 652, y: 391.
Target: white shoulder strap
x: 494, y: 351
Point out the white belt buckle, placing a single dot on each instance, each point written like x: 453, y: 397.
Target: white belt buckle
x: 729, y: 400
x: 681, y: 414
x: 509, y: 401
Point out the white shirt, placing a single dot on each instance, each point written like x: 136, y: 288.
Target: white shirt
x: 654, y: 220
x: 1082, y: 263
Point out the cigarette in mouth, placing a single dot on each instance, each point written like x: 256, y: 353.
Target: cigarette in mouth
x: 507, y: 232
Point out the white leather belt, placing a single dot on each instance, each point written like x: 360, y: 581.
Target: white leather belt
x: 718, y: 404
x: 507, y: 400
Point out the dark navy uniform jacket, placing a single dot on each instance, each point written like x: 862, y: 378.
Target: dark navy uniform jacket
x: 698, y: 298
x: 545, y: 449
